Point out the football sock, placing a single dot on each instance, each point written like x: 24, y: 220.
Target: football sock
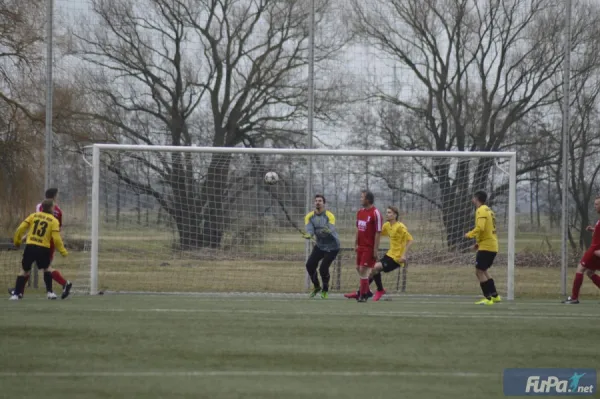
x: 596, y: 280
x: 484, y: 289
x: 58, y: 278
x: 364, y: 286
x: 577, y: 286
x: 378, y: 282
x: 325, y: 277
x: 27, y: 278
x: 492, y: 288
x: 48, y: 281
x: 20, y: 285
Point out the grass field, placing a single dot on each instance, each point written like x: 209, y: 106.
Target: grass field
x: 151, y: 346
x: 130, y: 272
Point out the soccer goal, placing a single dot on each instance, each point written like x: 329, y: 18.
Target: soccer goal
x: 230, y: 220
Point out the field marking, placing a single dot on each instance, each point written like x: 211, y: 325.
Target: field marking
x: 245, y: 373
x: 337, y: 297
x: 432, y: 299
x: 319, y: 312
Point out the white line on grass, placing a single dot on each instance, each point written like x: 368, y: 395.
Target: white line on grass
x: 372, y: 313
x: 275, y: 297
x: 404, y: 299
x: 244, y: 373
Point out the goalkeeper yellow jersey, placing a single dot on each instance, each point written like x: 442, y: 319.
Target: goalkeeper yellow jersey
x: 42, y: 229
x: 399, y: 237
x: 485, y: 229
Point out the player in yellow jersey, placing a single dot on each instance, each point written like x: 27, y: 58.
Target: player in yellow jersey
x: 486, y: 245
x: 42, y: 228
x: 400, y: 241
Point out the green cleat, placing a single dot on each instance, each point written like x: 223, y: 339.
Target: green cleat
x: 314, y: 292
x: 485, y: 301
x: 324, y: 295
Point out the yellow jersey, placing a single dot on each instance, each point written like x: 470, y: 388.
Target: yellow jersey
x: 485, y: 229
x: 399, y: 237
x: 42, y: 229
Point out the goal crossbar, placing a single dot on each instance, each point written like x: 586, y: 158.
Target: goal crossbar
x: 510, y: 156
x: 294, y: 151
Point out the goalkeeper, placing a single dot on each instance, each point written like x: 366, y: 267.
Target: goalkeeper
x: 320, y: 223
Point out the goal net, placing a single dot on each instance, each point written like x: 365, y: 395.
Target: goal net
x: 195, y: 219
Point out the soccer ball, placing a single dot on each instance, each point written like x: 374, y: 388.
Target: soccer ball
x: 271, y: 178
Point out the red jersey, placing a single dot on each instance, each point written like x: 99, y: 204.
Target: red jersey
x: 588, y: 256
x: 368, y: 222
x: 57, y: 212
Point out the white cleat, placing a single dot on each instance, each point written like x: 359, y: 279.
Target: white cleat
x: 14, y: 298
x: 51, y: 295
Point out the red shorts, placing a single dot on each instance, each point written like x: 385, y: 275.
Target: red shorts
x: 365, y: 258
x: 593, y: 264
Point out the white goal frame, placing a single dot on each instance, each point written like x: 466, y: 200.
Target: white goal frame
x: 510, y: 156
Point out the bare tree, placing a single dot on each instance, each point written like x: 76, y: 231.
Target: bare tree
x: 585, y: 143
x: 482, y: 66
x: 21, y: 38
x: 211, y: 72
x: 583, y: 138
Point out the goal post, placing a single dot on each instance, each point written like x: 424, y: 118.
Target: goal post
x: 202, y: 219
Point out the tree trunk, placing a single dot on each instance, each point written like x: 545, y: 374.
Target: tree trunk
x: 106, y: 202
x: 531, y: 203
x: 214, y: 191
x: 118, y: 203
x: 139, y: 209
x: 537, y: 199
x: 184, y: 213
x: 549, y: 201
x: 457, y: 222
x: 456, y: 209
x: 188, y: 227
x: 585, y: 237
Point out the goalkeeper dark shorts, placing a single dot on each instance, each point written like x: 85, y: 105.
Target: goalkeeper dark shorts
x: 389, y: 264
x: 41, y: 256
x: 484, y: 259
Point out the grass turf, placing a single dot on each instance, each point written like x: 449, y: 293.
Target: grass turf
x: 128, y: 272
x: 148, y: 346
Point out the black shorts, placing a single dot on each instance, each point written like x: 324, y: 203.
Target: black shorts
x: 389, y: 264
x: 484, y: 259
x: 34, y: 253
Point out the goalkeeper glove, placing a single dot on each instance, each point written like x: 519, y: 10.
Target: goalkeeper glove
x: 325, y: 231
x: 306, y: 236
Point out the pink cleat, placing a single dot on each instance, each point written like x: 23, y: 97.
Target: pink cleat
x: 352, y: 295
x: 378, y: 295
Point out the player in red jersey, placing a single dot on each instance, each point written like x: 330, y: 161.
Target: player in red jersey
x: 366, y: 245
x: 52, y: 194
x: 590, y: 261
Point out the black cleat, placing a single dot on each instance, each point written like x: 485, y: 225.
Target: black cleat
x: 369, y: 295
x: 66, y: 290
x: 570, y: 301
